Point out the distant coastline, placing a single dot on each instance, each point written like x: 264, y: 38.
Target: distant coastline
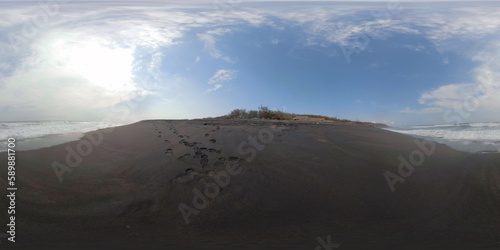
x: 266, y: 113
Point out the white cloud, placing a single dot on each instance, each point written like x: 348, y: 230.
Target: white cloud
x: 422, y: 111
x: 87, y: 58
x: 451, y: 93
x: 328, y: 26
x: 416, y: 48
x: 209, y: 39
x: 222, y: 75
x: 56, y: 92
x: 216, y: 87
x: 478, y: 97
x: 446, y: 60
x: 444, y: 26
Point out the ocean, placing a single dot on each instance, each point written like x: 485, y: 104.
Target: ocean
x: 468, y: 137
x: 40, y: 134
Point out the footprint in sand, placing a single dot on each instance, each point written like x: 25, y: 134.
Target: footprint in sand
x: 236, y: 160
x: 204, y: 161
x: 207, y: 135
x: 213, y: 150
x: 191, y: 171
x: 169, y: 152
x: 187, y: 176
x: 232, y: 158
x: 203, y: 156
x: 220, y: 162
x: 213, y: 140
x: 199, y: 153
x: 184, y: 156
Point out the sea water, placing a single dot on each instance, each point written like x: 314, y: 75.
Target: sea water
x: 468, y: 137
x: 40, y: 134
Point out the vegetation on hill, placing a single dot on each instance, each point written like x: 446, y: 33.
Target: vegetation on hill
x: 265, y: 113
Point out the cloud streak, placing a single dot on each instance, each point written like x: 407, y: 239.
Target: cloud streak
x: 209, y: 39
x: 220, y: 76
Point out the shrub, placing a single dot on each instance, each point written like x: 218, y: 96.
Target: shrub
x: 264, y: 112
x: 253, y: 114
x: 238, y: 114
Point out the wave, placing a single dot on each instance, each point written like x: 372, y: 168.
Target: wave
x: 484, y: 125
x: 463, y: 133
x: 28, y: 132
x: 24, y: 130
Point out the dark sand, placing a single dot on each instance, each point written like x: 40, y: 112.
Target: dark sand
x: 310, y: 181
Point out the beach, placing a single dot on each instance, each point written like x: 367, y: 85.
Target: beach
x: 254, y: 184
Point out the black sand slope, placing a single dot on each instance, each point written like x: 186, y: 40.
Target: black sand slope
x: 253, y: 185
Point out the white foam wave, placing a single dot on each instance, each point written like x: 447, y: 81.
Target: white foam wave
x: 30, y: 131
x: 485, y: 134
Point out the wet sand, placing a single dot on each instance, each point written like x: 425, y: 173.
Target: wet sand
x: 219, y: 184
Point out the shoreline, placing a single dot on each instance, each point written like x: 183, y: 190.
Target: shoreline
x: 298, y: 181
x: 51, y: 138
x: 468, y: 146
x: 47, y: 141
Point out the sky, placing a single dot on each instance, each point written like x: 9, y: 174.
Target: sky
x: 395, y: 62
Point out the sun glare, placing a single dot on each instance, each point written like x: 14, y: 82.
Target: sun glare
x: 103, y: 66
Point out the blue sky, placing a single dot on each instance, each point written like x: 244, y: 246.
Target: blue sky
x: 393, y: 62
